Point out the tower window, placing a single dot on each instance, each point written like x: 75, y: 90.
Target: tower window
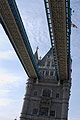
x: 35, y: 111
x: 51, y: 73
x: 52, y: 113
x: 48, y: 64
x: 48, y: 56
x: 35, y: 93
x: 46, y: 93
x: 57, y: 95
x: 47, y: 73
x: 43, y: 73
x: 52, y: 64
x: 44, y: 111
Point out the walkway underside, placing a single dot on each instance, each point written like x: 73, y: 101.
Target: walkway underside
x: 13, y: 26
x: 56, y: 14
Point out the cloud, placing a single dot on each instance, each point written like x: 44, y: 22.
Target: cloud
x: 74, y: 118
x: 8, y: 78
x: 3, y: 38
x: 4, y: 91
x: 7, y: 106
x: 35, y: 21
x: 8, y: 55
x: 10, y: 94
x: 5, y: 101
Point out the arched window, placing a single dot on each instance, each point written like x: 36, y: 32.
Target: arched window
x: 43, y: 111
x: 51, y: 73
x: 46, y: 93
x: 43, y: 72
x: 52, y: 113
x: 35, y: 93
x: 52, y: 64
x: 35, y: 111
x: 57, y: 95
x: 47, y: 73
x: 48, y: 63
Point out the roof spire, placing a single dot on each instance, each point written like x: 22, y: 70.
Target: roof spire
x: 36, y: 54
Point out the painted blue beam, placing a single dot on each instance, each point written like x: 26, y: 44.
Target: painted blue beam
x: 68, y: 32
x: 23, y: 33
x: 51, y: 36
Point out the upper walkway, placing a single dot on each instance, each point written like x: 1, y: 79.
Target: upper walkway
x: 14, y: 28
x: 59, y: 22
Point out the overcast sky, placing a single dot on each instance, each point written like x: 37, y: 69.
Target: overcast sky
x: 12, y: 75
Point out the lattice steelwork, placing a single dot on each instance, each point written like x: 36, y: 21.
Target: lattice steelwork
x: 51, y: 34
x: 59, y: 22
x: 14, y: 28
x: 68, y: 29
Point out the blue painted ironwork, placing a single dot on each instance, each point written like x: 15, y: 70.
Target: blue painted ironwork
x: 22, y: 30
x: 68, y: 32
x: 12, y: 43
x: 51, y: 35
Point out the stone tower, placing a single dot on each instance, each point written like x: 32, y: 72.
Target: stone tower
x: 45, y: 99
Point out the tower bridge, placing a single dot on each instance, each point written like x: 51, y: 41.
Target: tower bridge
x: 49, y: 82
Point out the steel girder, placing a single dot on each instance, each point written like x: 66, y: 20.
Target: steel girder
x: 59, y: 23
x: 14, y: 28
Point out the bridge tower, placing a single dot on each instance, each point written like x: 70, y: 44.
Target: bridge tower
x: 47, y: 96
x: 46, y: 99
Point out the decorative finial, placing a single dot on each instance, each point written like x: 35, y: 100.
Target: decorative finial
x: 36, y: 54
x: 37, y: 48
x: 40, y: 57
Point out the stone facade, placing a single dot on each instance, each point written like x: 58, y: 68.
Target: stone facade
x: 45, y: 99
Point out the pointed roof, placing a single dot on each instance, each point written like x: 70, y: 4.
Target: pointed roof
x: 42, y: 61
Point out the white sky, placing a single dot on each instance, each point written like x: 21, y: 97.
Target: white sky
x: 12, y: 75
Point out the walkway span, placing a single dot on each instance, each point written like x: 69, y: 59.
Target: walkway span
x: 14, y: 28
x: 59, y: 22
